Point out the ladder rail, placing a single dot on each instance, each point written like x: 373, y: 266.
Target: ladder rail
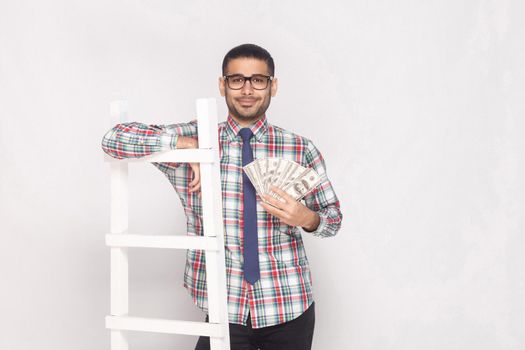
x: 212, y: 241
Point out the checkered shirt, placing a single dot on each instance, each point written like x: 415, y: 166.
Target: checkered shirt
x: 284, y: 290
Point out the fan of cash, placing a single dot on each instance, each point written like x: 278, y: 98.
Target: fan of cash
x: 289, y: 176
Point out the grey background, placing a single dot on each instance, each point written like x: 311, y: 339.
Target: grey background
x: 417, y: 107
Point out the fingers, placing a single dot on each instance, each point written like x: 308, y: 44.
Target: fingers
x: 196, y: 177
x: 195, y: 188
x: 273, y: 201
x: 283, y: 200
x: 195, y: 184
x: 272, y: 210
x: 285, y: 196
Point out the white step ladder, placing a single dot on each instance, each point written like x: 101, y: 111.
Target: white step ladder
x: 212, y: 242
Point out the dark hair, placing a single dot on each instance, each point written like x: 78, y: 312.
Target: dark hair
x: 249, y: 51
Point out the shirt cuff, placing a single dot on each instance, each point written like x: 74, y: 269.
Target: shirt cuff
x: 320, y: 228
x: 168, y: 141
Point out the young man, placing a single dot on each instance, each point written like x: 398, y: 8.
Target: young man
x: 270, y: 298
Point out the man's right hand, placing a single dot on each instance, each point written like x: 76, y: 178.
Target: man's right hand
x: 188, y: 142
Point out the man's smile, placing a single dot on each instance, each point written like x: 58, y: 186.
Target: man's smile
x: 246, y: 102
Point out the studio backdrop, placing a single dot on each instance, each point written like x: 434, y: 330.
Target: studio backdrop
x: 416, y: 106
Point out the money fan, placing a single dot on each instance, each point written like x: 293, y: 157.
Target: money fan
x: 287, y: 175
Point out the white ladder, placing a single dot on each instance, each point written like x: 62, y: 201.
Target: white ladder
x: 212, y: 242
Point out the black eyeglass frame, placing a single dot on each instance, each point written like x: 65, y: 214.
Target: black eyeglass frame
x: 269, y: 78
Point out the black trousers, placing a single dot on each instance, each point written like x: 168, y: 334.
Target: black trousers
x: 296, y: 334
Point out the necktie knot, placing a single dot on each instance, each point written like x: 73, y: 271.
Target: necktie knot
x: 246, y: 134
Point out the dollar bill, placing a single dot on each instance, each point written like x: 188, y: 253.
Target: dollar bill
x: 252, y: 175
x: 303, y: 185
x: 289, y: 176
x: 294, y: 174
x: 273, y: 165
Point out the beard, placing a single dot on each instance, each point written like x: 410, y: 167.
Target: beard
x: 247, y: 116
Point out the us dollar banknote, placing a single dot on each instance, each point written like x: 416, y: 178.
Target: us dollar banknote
x: 289, y: 176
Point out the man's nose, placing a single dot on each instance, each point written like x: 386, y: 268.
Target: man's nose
x: 247, y: 88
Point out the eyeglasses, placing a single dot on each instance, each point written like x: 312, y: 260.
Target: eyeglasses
x: 258, y: 81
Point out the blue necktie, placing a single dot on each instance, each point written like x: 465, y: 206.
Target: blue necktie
x: 251, y: 254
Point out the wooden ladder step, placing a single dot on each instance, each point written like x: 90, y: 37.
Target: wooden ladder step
x: 208, y: 243
x: 193, y: 155
x: 158, y: 325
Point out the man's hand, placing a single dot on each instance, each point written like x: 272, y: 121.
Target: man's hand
x: 195, y: 184
x: 290, y: 211
x: 188, y: 142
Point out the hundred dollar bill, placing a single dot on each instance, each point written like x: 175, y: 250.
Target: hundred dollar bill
x: 293, y: 175
x: 265, y: 167
x: 249, y: 169
x: 303, y: 185
x: 281, y: 174
x: 262, y: 165
x: 260, y: 170
x: 294, y: 172
x: 273, y: 166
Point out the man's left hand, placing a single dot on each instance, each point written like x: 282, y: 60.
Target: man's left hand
x: 290, y: 211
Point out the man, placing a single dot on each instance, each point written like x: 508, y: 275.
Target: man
x: 270, y: 300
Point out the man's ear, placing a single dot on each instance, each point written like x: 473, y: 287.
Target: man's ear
x: 273, y: 88
x: 221, y: 86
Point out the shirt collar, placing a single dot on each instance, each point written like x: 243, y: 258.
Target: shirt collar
x: 258, y: 128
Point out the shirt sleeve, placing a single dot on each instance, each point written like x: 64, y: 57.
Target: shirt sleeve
x: 322, y: 199
x: 134, y: 140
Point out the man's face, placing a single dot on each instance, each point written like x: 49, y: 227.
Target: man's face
x: 247, y: 105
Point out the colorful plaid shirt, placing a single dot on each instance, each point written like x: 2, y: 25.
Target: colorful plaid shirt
x: 284, y: 290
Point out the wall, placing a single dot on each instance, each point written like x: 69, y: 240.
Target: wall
x: 415, y: 106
